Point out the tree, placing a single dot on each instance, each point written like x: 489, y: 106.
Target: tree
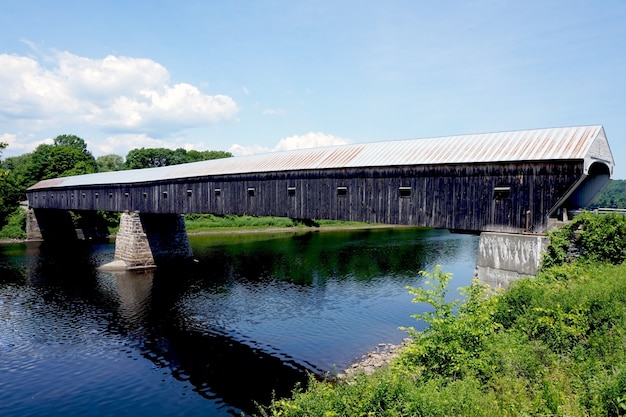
x: 613, y: 196
x: 110, y: 162
x: 71, y: 141
x: 148, y: 158
x: 10, y: 192
x: 160, y: 157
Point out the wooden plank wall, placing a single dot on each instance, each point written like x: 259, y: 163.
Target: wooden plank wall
x: 468, y: 197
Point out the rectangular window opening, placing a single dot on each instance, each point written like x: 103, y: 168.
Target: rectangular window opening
x: 189, y: 193
x: 342, y: 191
x: 217, y: 192
x: 97, y: 195
x: 164, y: 194
x: 405, y: 191
x: 501, y: 192
x: 110, y: 195
x: 145, y: 195
x: 291, y: 191
x: 251, y: 192
x: 126, y: 195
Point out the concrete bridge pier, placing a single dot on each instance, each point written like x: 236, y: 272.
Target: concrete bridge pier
x: 505, y: 257
x: 147, y: 240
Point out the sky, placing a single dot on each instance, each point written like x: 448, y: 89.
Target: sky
x: 253, y: 76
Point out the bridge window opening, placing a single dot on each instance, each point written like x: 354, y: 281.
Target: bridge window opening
x: 217, y: 192
x: 97, y: 195
x: 51, y: 196
x: 291, y: 191
x: 189, y: 193
x: 501, y: 192
x: 164, y: 194
x: 405, y: 191
x: 342, y: 191
x: 145, y: 195
x: 84, y: 195
x: 126, y: 195
x: 110, y: 195
x: 251, y: 192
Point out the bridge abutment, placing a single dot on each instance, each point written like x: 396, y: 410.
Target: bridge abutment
x: 50, y: 225
x: 505, y: 257
x: 147, y: 240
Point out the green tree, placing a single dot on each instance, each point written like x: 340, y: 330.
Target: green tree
x: 613, y: 195
x: 195, y: 156
x: 110, y: 162
x: 160, y: 157
x: 10, y: 191
x: 71, y: 141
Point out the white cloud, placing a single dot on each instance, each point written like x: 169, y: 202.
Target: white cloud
x: 19, y: 145
x: 309, y: 140
x: 114, y: 93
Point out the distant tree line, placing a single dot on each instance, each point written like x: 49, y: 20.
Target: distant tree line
x: 613, y: 196
x: 68, y: 155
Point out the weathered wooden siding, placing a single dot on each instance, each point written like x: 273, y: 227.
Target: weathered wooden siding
x: 463, y: 197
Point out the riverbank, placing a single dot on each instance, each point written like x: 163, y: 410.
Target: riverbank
x: 250, y: 230
x: 374, y: 360
x: 550, y: 345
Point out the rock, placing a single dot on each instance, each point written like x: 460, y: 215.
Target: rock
x: 370, y: 362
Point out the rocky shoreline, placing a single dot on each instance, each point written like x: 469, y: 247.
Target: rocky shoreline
x: 374, y: 360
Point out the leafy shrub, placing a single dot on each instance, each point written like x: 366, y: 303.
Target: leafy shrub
x: 16, y: 225
x: 451, y: 343
x: 600, y: 238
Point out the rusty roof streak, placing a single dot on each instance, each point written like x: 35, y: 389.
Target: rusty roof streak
x: 526, y: 145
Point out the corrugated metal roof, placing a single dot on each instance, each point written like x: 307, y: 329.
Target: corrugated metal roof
x: 525, y: 145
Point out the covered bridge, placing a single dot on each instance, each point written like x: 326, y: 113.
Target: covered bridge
x: 517, y: 181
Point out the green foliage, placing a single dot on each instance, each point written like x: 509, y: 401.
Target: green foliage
x: 15, y: 225
x: 591, y: 237
x: 10, y: 194
x: 111, y: 162
x: 201, y: 222
x: 613, y: 196
x: 448, y: 346
x: 204, y: 222
x: 435, y: 296
x: 160, y: 157
x: 71, y: 141
x: 67, y: 156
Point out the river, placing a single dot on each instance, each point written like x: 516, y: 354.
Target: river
x: 252, y: 318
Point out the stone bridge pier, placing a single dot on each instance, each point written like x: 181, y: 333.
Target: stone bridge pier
x: 146, y: 240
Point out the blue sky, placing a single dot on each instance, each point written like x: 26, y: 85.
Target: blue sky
x: 258, y: 76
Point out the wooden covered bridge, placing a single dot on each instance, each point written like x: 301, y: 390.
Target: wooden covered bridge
x: 517, y: 181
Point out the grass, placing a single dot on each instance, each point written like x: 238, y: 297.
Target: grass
x: 196, y: 223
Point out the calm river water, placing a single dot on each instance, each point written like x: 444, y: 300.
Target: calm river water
x: 255, y: 315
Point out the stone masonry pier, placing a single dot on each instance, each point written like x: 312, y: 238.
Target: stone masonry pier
x: 148, y: 240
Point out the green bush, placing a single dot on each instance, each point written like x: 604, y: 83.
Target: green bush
x: 16, y: 225
x: 591, y: 237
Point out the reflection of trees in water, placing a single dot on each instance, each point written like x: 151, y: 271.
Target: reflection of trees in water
x: 315, y: 257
